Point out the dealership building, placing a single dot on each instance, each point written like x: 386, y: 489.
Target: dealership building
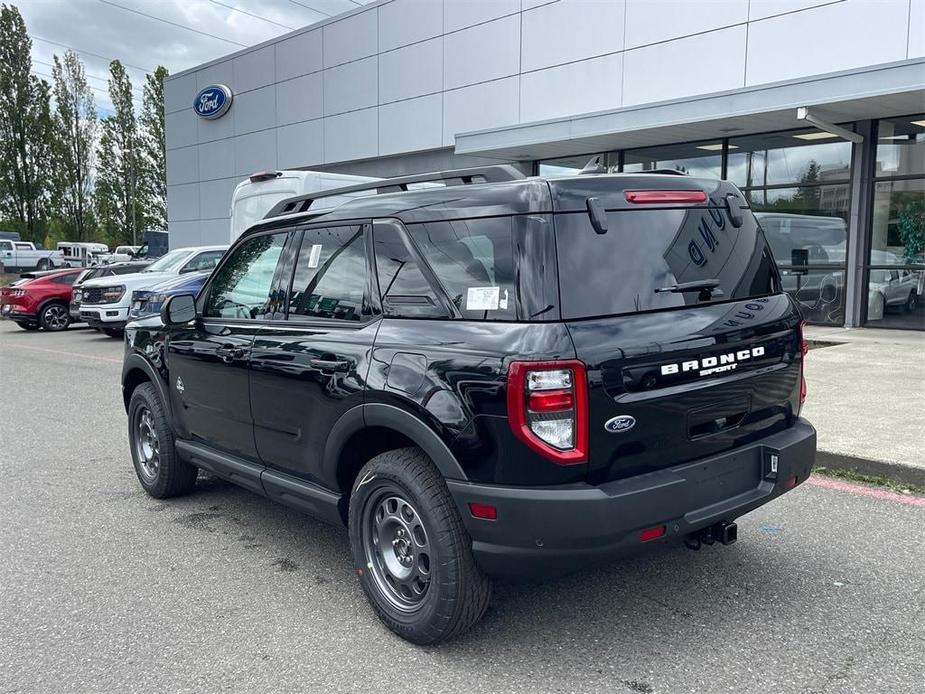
x: 815, y: 108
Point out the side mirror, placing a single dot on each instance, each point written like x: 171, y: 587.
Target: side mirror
x: 178, y: 309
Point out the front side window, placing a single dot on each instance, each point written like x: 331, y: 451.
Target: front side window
x: 330, y: 275
x: 241, y: 289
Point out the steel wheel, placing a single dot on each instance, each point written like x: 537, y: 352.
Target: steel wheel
x: 147, y: 444
x: 397, y: 550
x: 55, y: 317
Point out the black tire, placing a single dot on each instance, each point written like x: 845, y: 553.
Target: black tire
x: 456, y: 593
x: 113, y: 332
x: 911, y: 302
x: 27, y: 326
x: 54, y: 317
x: 169, y: 475
x: 44, y: 264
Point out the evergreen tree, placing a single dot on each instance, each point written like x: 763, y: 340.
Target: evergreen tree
x: 25, y: 128
x: 118, y: 180
x: 75, y: 126
x: 154, y: 147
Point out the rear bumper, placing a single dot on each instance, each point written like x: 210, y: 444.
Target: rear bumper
x: 548, y: 530
x: 16, y: 312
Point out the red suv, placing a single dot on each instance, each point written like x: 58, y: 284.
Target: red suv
x: 40, y: 301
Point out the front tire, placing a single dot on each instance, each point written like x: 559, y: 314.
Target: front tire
x: 911, y: 302
x: 44, y: 264
x: 113, y: 332
x: 160, y: 470
x: 55, y: 317
x: 412, y: 553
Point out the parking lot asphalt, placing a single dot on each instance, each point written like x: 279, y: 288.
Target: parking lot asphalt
x: 105, y: 589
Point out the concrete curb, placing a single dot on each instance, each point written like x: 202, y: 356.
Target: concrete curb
x: 898, y: 472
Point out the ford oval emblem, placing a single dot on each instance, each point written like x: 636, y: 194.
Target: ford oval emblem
x: 619, y: 424
x: 213, y: 101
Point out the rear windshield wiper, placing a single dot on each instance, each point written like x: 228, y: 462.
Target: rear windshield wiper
x: 705, y: 286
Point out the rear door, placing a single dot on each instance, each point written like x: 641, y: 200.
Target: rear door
x: 309, y: 368
x: 677, y: 375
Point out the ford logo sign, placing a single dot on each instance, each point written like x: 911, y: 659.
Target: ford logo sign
x: 213, y: 101
x: 619, y: 424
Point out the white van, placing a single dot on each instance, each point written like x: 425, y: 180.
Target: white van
x: 256, y: 196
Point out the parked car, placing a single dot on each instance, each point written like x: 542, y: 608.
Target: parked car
x: 39, y: 301
x: 147, y: 302
x: 106, y: 301
x: 500, y: 376
x: 20, y: 256
x: 121, y: 254
x: 100, y: 271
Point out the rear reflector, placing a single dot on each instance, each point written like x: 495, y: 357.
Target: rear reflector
x: 652, y: 533
x: 662, y: 197
x: 483, y: 511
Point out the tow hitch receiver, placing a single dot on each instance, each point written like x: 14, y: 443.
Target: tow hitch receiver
x: 723, y: 532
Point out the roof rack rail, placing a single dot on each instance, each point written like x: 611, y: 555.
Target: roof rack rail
x: 479, y: 174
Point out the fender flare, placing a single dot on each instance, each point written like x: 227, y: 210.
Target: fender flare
x: 135, y: 362
x: 388, y: 417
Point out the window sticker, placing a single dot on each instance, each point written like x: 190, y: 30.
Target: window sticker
x: 483, y: 298
x: 315, y: 256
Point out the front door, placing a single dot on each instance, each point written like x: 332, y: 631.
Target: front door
x: 208, y: 359
x: 310, y: 368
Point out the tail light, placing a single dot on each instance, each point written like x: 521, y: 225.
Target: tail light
x: 804, y: 348
x: 547, y: 406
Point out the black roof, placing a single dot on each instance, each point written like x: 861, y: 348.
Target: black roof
x: 514, y: 195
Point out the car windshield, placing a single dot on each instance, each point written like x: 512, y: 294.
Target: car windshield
x: 169, y: 262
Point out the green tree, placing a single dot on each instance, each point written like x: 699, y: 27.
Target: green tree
x: 25, y: 129
x: 75, y: 126
x: 120, y: 213
x: 154, y: 146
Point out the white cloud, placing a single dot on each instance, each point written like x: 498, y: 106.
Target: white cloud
x: 100, y: 32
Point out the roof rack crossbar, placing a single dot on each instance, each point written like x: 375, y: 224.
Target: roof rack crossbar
x: 479, y: 174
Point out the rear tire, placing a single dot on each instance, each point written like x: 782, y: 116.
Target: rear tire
x: 911, y: 302
x: 44, y: 264
x: 160, y: 470
x: 412, y: 553
x: 54, y: 317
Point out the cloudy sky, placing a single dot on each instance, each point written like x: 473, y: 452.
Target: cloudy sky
x: 145, y: 33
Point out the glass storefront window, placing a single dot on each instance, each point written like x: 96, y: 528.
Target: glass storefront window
x: 693, y: 158
x: 901, y: 146
x: 801, y: 156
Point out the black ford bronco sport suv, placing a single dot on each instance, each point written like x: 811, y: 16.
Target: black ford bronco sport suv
x: 484, y: 375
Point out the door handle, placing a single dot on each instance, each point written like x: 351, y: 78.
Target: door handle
x: 228, y: 353
x: 329, y: 364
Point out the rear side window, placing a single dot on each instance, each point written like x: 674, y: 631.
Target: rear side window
x: 647, y: 250
x: 405, y: 291
x: 474, y: 261
x: 64, y: 279
x: 331, y: 275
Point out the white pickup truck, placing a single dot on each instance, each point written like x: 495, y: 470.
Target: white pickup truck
x: 21, y: 256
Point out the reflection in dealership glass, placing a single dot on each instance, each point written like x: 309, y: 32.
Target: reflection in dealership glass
x: 803, y: 245
x: 892, y: 290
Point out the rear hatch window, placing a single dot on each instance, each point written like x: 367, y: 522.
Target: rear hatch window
x: 645, y: 259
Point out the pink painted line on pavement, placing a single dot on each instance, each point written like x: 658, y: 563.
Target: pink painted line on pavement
x: 885, y: 494
x: 65, y: 354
